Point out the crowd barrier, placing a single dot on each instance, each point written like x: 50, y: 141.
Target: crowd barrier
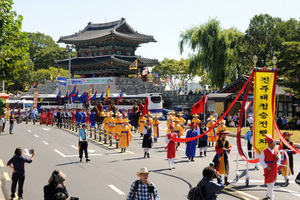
x: 94, y: 133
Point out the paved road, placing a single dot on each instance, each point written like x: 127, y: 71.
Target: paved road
x: 110, y: 173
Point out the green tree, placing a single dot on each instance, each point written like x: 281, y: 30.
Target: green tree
x: 215, y: 50
x: 44, y: 51
x: 179, y: 70
x: 289, y: 67
x: 13, y: 42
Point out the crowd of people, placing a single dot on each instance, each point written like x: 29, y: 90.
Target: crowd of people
x: 122, y: 124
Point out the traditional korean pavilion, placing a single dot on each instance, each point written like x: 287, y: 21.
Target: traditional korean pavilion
x: 106, y: 49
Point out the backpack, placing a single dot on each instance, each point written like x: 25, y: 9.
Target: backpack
x: 197, y: 193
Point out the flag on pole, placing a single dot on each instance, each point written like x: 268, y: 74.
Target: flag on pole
x: 75, y: 97
x: 67, y: 96
x: 168, y: 80
x: 83, y: 97
x: 134, y: 65
x: 58, y: 96
x: 34, y: 84
x: 198, y: 107
x: 121, y: 96
x: 102, y: 96
x: 94, y: 96
x: 90, y: 93
x: 107, y: 94
x: 145, y: 109
x: 72, y: 94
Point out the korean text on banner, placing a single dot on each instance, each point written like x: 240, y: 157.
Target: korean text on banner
x: 35, y: 98
x: 263, y: 97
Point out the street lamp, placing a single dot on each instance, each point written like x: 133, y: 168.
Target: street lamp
x: 70, y: 49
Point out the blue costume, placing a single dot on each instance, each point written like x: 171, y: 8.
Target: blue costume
x: 83, y: 117
x: 93, y: 119
x: 78, y: 117
x: 191, y: 145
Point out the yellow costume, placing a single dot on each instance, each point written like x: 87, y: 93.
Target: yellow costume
x: 142, y: 122
x: 125, y: 136
x: 155, y: 123
x: 111, y: 124
x: 168, y: 124
x: 105, y: 122
x: 220, y: 128
x: 7, y: 113
x: 196, y: 121
x: 119, y: 123
x: 211, y: 134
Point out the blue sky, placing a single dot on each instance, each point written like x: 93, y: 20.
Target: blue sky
x: 164, y: 19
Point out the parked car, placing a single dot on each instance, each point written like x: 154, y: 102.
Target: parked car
x: 166, y: 112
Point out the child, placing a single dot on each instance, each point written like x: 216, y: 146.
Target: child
x: 220, y: 160
x: 171, y: 147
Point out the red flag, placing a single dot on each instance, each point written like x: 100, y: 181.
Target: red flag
x: 145, y: 109
x: 198, y: 107
x: 168, y: 80
x: 34, y: 84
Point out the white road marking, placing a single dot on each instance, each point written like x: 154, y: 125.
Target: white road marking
x: 6, y: 176
x: 60, y: 153
x: 1, y: 163
x: 29, y: 131
x: 90, y: 155
x: 261, y: 181
x: 46, y: 129
x: 181, y: 149
x: 90, y: 151
x: 116, y: 189
x: 36, y: 135
x: 292, y: 192
x: 46, y: 143
x: 26, y: 152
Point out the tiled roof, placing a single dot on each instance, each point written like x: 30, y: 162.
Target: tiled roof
x: 93, y: 32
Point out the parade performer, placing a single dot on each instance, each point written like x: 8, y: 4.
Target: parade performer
x: 125, y: 135
x: 78, y: 117
x: 249, y: 140
x: 178, y: 129
x: 196, y: 121
x: 172, y: 113
x: 169, y: 122
x: 212, y: 134
x: 220, y: 160
x: 282, y: 146
x: 182, y: 121
x: 142, y: 121
x: 171, y: 147
x: 7, y: 113
x: 191, y: 145
x: 156, y: 124
x: 268, y: 159
x: 44, y: 116
x: 111, y: 123
x: 106, y: 122
x: 50, y: 116
x: 119, y: 123
x: 202, y: 142
x: 147, y: 139
x: 83, y: 118
x: 88, y: 114
x: 221, y: 127
x: 93, y: 117
x: 135, y: 115
x: 73, y: 116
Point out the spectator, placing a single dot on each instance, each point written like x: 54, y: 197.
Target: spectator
x: 11, y: 122
x: 16, y: 163
x: 292, y: 123
x: 215, y: 115
x: 231, y: 124
x: 284, y: 123
x: 210, y: 188
x: 60, y: 196
x: 1, y: 123
x: 279, y: 122
x: 298, y: 123
x: 143, y: 189
x: 56, y: 185
x: 298, y: 111
x: 235, y: 118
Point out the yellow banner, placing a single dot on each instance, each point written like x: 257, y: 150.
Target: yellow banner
x: 263, y: 119
x: 35, y: 98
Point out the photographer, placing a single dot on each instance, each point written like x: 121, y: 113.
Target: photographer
x: 209, y: 187
x: 56, y: 185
